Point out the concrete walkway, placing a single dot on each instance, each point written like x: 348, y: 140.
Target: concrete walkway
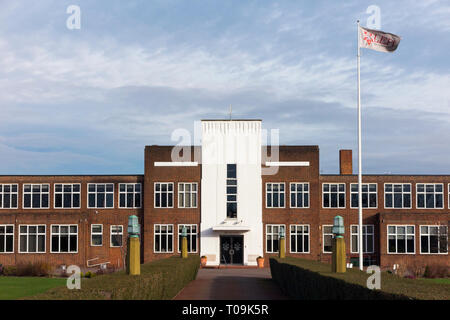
x: 232, y: 284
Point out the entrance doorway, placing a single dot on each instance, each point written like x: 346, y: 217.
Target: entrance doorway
x: 231, y: 249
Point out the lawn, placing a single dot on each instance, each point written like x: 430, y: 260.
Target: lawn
x: 438, y: 280
x: 18, y: 287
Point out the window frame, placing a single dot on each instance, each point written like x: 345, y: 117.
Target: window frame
x: 368, y: 195
x: 192, y: 193
x: 296, y: 233
x: 406, y: 235
x: 338, y: 192
x: 59, y: 238
x: 190, y: 234
x: 62, y: 193
x: 357, y: 234
x: 434, y: 195
x: 8, y: 234
x: 37, y: 238
x: 279, y: 194
x: 2, y: 194
x: 278, y: 234
x: 96, y: 233
x: 403, y: 193
x: 31, y: 194
x: 111, y: 234
x: 428, y: 234
x: 160, y: 192
x: 126, y: 195
x: 294, y: 194
x: 167, y: 240
x: 323, y: 237
x: 96, y: 192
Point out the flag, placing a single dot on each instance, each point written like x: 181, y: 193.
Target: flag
x: 378, y: 40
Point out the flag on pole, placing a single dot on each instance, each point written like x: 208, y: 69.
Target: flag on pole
x: 378, y: 40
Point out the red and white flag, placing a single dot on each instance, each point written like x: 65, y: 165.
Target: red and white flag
x: 378, y: 40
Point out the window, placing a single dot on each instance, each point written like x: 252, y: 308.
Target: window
x: 274, y: 195
x: 401, y: 239
x: 100, y: 195
x: 187, y: 195
x: 368, y: 238
x: 116, y: 235
x: 333, y: 195
x: 273, y: 237
x: 231, y: 191
x: 96, y: 235
x: 430, y: 195
x: 299, y: 238
x: 397, y: 196
x: 129, y: 195
x: 191, y: 230
x: 32, y: 238
x: 67, y: 196
x: 327, y: 238
x: 35, y: 196
x: 6, y: 238
x: 299, y: 195
x: 8, y: 196
x: 163, y: 194
x: 433, y: 239
x: 163, y: 238
x: 369, y: 195
x: 64, y: 238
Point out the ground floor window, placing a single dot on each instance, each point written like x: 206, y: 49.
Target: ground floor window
x: 6, y: 238
x: 116, y: 235
x: 401, y: 239
x: 273, y: 237
x: 163, y: 238
x: 191, y: 230
x: 299, y: 238
x: 32, y: 238
x: 64, y: 238
x: 96, y: 235
x: 433, y: 239
x: 368, y: 238
x: 327, y: 238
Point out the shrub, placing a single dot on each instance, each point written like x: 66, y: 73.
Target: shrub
x: 38, y: 269
x: 436, y: 271
x: 9, y: 271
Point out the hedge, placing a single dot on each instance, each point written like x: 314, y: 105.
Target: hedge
x: 305, y: 284
x: 159, y: 280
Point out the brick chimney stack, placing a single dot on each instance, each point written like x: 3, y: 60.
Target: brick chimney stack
x: 345, y: 162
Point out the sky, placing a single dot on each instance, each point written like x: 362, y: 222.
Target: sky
x: 88, y: 100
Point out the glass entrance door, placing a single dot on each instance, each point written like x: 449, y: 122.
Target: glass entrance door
x: 231, y: 249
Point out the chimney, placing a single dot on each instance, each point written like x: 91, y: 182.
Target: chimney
x: 345, y: 162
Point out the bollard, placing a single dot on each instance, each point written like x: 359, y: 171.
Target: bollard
x: 134, y: 247
x: 338, y: 259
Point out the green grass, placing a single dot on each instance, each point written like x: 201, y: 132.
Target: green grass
x: 19, y: 287
x: 437, y: 280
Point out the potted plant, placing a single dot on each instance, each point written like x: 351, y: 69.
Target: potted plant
x: 203, y: 261
x: 260, y: 261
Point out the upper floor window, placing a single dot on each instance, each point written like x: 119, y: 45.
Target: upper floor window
x: 368, y: 238
x: 299, y: 238
x: 8, y: 196
x: 163, y: 194
x: 6, y: 238
x: 67, y: 196
x: 36, y: 196
x: 397, y: 195
x: 433, y: 239
x: 401, y: 239
x: 299, y: 195
x: 64, y: 238
x: 369, y: 195
x: 32, y: 238
x: 100, y: 195
x: 129, y: 195
x: 430, y: 195
x: 333, y: 195
x: 231, y: 191
x: 191, y: 230
x: 187, y: 195
x: 275, y: 195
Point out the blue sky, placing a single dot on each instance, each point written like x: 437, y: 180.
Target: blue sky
x: 87, y: 101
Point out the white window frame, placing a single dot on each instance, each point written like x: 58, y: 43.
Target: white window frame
x: 59, y: 237
x: 403, y: 195
x: 396, y: 234
x: 189, y: 235
x: 323, y: 237
x: 2, y: 194
x: 192, y: 194
x: 425, y: 193
x: 279, y: 194
x: 31, y: 193
x: 368, y: 195
x: 115, y: 233
x: 364, y: 238
x: 96, y: 234
x: 62, y: 195
x: 5, y: 235
x: 96, y: 193
x: 428, y: 234
x: 330, y: 192
x: 37, y: 237
x: 167, y: 239
x: 293, y: 194
x: 158, y: 194
x: 308, y: 234
x: 277, y: 234
x: 134, y: 195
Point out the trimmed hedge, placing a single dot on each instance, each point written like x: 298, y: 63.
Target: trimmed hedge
x: 159, y: 280
x: 301, y: 283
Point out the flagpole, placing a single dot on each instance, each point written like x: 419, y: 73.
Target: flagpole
x: 360, y: 216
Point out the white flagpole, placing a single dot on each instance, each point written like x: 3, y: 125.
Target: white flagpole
x: 360, y: 215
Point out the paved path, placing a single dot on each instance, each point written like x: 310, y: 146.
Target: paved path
x: 232, y: 284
